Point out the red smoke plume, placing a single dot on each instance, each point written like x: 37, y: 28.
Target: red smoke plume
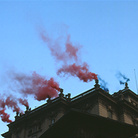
x: 67, y: 56
x: 27, y: 85
x: 11, y: 102
x: 36, y: 85
x: 70, y: 52
x: 81, y: 72
x: 24, y: 102
x: 4, y: 116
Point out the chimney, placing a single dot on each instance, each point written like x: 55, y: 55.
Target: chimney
x: 97, y: 84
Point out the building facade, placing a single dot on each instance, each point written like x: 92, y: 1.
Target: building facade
x: 117, y: 111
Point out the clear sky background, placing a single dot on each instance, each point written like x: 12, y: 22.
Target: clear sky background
x: 106, y: 30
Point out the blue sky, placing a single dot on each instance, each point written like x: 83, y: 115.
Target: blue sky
x: 106, y: 30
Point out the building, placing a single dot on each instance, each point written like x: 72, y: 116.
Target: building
x: 92, y: 114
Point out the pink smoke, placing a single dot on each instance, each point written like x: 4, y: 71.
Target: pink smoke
x: 24, y: 102
x: 70, y: 52
x: 12, y: 103
x: 79, y: 71
x: 4, y: 116
x: 68, y: 56
x: 36, y: 85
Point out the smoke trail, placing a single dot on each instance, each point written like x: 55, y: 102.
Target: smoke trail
x: 12, y: 103
x: 4, y: 116
x: 103, y: 84
x: 122, y: 78
x: 23, y: 102
x: 68, y: 57
x: 71, y: 49
x: 81, y: 72
x: 70, y: 52
x: 35, y: 85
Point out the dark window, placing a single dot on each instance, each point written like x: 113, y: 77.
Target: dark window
x: 109, y: 113
x: 52, y: 121
x: 136, y: 123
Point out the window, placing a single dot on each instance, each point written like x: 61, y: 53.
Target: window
x: 109, y: 113
x: 34, y: 129
x: 136, y: 123
x: 52, y: 121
